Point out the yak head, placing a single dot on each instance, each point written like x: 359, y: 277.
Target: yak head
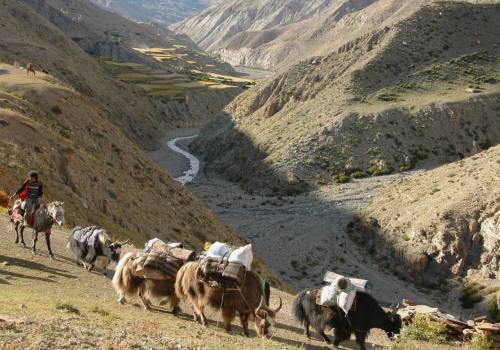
x: 110, y: 249
x: 265, y: 318
x: 394, y: 322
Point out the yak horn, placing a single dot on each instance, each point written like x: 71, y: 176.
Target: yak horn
x: 395, y: 309
x: 124, y: 242
x: 260, y: 305
x: 279, y: 307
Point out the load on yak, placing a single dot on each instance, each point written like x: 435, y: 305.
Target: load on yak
x: 151, y: 274
x: 223, y: 267
x: 344, y: 305
x: 92, y: 243
x: 223, y: 280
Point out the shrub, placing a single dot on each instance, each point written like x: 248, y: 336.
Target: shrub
x: 68, y: 308
x: 481, y: 342
x: 406, y: 167
x: 493, y: 310
x: 56, y: 110
x: 471, y: 294
x: 341, y: 178
x: 424, y: 328
x: 4, y: 199
x: 387, y: 97
x: 376, y: 171
x: 358, y: 174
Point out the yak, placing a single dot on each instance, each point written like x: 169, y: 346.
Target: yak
x: 90, y: 244
x: 251, y: 300
x: 364, y: 315
x: 128, y: 285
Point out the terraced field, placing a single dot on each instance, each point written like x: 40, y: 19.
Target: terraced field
x: 174, y: 85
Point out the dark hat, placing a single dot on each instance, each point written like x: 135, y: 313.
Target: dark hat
x: 33, y: 173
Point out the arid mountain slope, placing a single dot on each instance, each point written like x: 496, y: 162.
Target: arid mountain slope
x: 419, y: 93
x: 276, y: 33
x: 84, y: 130
x: 438, y: 224
x: 163, y: 12
x: 56, y: 45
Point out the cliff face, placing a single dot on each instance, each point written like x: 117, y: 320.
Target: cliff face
x: 416, y: 94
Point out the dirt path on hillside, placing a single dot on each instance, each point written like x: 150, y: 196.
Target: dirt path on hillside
x: 302, y: 237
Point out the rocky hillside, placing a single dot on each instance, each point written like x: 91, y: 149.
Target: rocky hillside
x: 163, y: 12
x: 83, y: 130
x: 439, y: 224
x: 276, y: 33
x: 418, y: 93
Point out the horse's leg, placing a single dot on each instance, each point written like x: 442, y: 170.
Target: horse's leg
x: 35, y: 239
x: 22, y: 235
x: 47, y: 240
x: 16, y: 228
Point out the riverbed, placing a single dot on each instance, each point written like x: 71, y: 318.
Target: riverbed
x: 299, y: 237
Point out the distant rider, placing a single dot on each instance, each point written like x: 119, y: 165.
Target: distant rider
x: 30, y: 192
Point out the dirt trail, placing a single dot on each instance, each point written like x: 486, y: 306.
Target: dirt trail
x: 32, y: 286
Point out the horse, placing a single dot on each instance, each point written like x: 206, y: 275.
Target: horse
x: 44, y: 217
x: 30, y: 69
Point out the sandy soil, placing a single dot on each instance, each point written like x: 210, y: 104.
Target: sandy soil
x: 302, y: 237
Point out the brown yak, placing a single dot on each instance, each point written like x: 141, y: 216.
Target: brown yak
x: 127, y: 285
x: 248, y: 302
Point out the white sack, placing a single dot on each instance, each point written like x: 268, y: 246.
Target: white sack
x: 219, y: 249
x: 243, y: 255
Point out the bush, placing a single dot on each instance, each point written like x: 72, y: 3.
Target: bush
x: 493, y: 310
x: 68, y: 308
x: 359, y: 174
x: 56, y: 110
x: 471, y: 294
x: 376, y: 171
x: 4, y: 199
x: 481, y: 342
x: 407, y: 166
x: 387, y: 97
x: 341, y: 178
x: 424, y: 328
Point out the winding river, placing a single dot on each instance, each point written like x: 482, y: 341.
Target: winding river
x: 194, y: 164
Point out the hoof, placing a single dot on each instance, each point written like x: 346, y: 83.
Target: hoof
x: 24, y: 245
x: 16, y: 241
x: 51, y: 256
x: 176, y: 311
x: 33, y: 252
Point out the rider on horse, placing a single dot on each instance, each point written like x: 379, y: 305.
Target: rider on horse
x: 30, y: 193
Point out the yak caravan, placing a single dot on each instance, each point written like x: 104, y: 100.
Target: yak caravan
x: 232, y: 174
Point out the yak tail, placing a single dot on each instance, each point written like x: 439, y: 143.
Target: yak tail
x: 179, y: 280
x: 298, y: 311
x: 119, y: 277
x: 267, y: 292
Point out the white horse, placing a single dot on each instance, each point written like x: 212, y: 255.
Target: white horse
x: 45, y: 216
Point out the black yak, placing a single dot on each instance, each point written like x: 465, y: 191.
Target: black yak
x: 364, y: 315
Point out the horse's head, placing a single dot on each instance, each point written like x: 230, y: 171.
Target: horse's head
x: 56, y: 212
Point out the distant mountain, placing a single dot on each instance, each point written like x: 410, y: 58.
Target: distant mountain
x: 270, y: 34
x: 160, y: 11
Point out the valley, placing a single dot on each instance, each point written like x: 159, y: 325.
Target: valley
x: 360, y: 137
